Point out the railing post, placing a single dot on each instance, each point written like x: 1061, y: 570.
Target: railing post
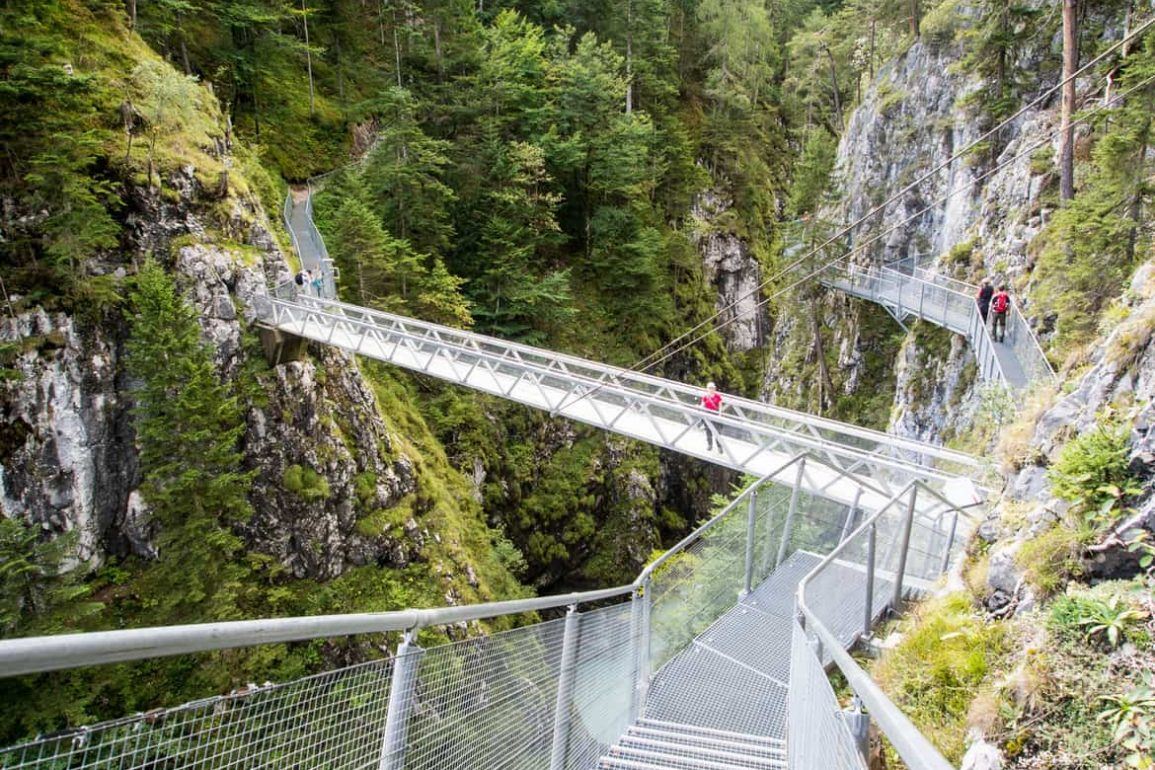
x: 921, y: 293
x: 751, y: 520
x: 851, y: 515
x: 787, y: 528
x: 904, y: 546
x: 561, y: 713
x: 640, y: 605
x: 949, y: 542
x: 858, y: 722
x: 405, y: 669
x: 868, y: 612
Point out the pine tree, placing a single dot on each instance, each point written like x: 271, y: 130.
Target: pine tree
x: 188, y: 427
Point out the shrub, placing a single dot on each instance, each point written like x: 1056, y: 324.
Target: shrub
x: 1092, y: 469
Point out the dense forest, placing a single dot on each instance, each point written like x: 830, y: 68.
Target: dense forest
x: 547, y: 171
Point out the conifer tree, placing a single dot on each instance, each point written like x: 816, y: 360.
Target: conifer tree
x: 188, y: 427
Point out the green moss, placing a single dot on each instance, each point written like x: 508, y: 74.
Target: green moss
x: 945, y: 659
x: 306, y: 483
x: 1052, y: 558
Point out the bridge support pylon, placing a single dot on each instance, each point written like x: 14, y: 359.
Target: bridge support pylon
x: 280, y: 346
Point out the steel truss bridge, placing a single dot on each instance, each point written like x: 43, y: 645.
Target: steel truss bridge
x: 714, y: 658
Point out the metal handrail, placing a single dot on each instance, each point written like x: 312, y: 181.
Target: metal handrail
x: 908, y: 741
x: 53, y: 653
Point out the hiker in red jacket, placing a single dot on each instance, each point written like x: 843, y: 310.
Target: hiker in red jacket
x: 712, y: 402
x: 1001, y: 305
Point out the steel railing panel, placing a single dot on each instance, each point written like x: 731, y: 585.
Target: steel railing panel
x: 818, y: 735
x: 332, y: 720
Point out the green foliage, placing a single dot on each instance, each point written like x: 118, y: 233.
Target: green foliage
x: 946, y: 654
x: 188, y: 427
x: 1092, y: 469
x: 812, y: 174
x: 40, y: 587
x: 1052, y: 558
x: 1112, y: 619
x: 306, y: 483
x: 1090, y: 246
x: 1131, y: 717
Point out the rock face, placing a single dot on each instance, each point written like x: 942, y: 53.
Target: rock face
x: 66, y: 459
x: 67, y: 455
x: 911, y: 121
x: 733, y: 270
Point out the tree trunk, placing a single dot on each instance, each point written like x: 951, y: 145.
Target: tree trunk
x: 1067, y: 131
x: 396, y: 47
x: 825, y: 385
x: 915, y: 19
x: 340, y: 70
x: 132, y: 14
x: 437, y: 51
x: 308, y: 56
x: 834, y: 87
x: 629, y: 56
x: 873, y: 24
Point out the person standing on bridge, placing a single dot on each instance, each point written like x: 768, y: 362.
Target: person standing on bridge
x: 712, y: 402
x: 986, y: 291
x: 317, y: 284
x: 1001, y: 304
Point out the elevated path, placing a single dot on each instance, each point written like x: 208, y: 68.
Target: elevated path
x: 716, y: 662
x: 858, y: 466
x: 1018, y: 361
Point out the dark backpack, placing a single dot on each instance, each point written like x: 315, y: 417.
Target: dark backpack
x: 1002, y: 302
x: 300, y: 279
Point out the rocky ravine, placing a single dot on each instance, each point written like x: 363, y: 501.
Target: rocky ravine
x: 67, y: 456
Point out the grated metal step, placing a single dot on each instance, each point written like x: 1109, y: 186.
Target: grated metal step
x: 731, y: 755
x: 661, y: 745
x: 742, y: 746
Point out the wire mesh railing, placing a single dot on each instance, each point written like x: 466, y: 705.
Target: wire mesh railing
x: 702, y: 621
x: 909, y: 286
x: 326, y: 720
x: 891, y: 554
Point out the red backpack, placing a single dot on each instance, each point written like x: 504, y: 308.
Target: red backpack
x: 1001, y: 303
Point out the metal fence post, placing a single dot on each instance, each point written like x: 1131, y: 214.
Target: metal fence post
x: 904, y: 547
x: 868, y: 613
x: 858, y: 722
x: 751, y: 519
x: 561, y: 713
x: 851, y: 515
x: 640, y: 606
x: 789, y: 525
x: 949, y: 542
x: 405, y: 669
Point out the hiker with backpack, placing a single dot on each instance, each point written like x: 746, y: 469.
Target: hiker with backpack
x: 301, y: 279
x: 986, y: 292
x: 1001, y: 304
x: 712, y: 402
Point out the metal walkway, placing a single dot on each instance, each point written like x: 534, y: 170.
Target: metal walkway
x: 716, y: 661
x: 1018, y: 361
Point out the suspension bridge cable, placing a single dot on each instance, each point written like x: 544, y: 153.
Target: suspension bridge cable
x: 644, y: 363
x: 859, y: 248
x: 673, y: 347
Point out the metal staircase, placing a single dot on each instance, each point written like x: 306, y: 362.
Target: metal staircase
x: 652, y: 744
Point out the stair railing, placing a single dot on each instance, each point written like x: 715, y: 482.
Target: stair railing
x: 891, y: 553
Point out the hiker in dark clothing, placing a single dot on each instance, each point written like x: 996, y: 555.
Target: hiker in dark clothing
x: 1001, y: 304
x: 984, y: 299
